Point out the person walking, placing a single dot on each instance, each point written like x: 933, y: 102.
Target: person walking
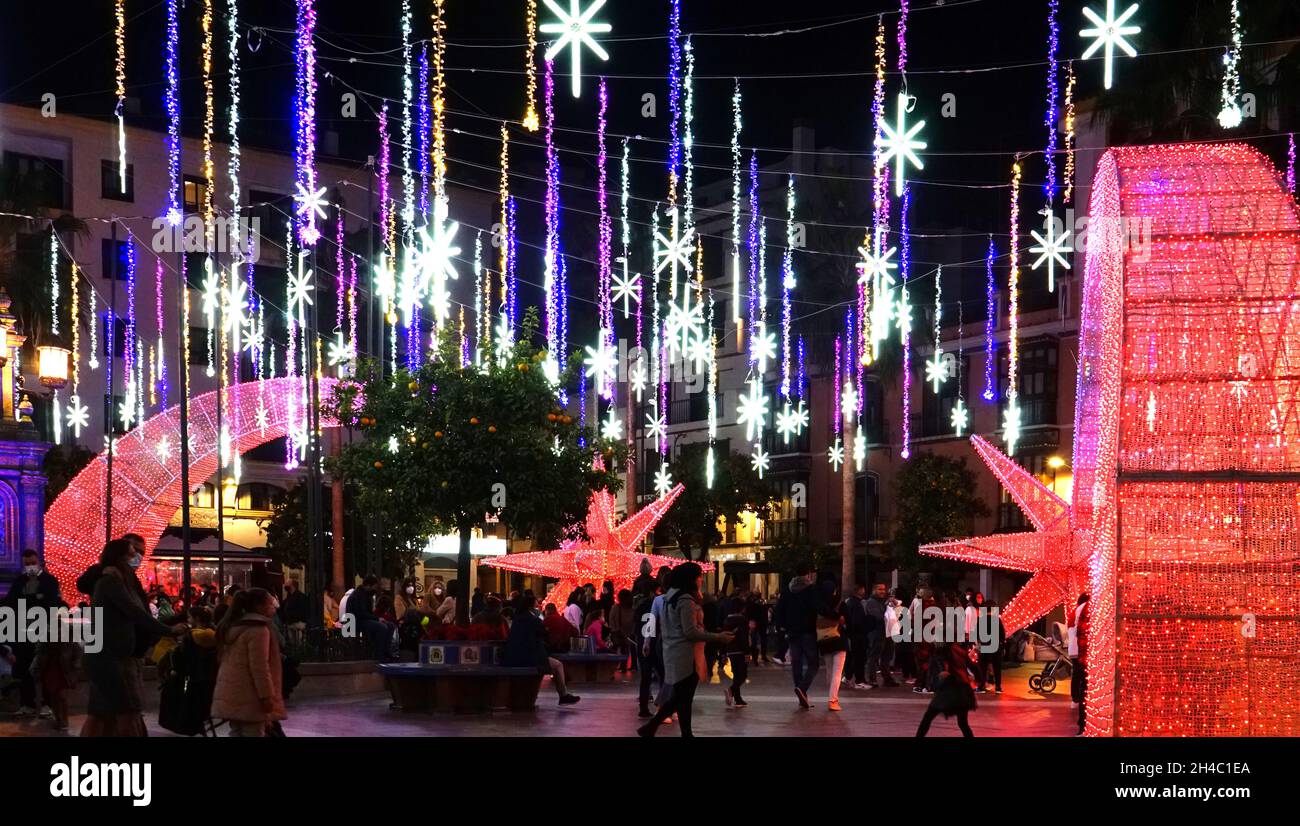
x: 115, y: 671
x: 875, y: 608
x: 757, y: 609
x: 955, y: 694
x: 992, y: 660
x: 684, y: 639
x: 621, y: 621
x: 857, y: 626
x: 740, y: 626
x: 643, y: 637
x: 798, y: 616
x: 832, y: 642
x: 248, y: 694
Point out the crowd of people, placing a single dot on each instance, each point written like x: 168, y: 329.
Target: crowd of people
x: 223, y: 656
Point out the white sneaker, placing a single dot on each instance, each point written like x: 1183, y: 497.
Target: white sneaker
x: 862, y: 686
x: 46, y: 713
x: 26, y: 711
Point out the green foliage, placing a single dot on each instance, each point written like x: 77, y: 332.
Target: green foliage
x: 287, y: 539
x: 786, y: 556
x: 61, y: 466
x: 693, y: 519
x: 936, y: 500
x: 470, y: 443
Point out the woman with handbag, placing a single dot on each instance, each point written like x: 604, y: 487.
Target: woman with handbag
x: 832, y: 642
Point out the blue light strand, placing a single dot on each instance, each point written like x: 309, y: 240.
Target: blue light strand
x: 1053, y: 43
x: 422, y: 138
x: 905, y: 271
x: 674, y: 90
x: 171, y: 102
x: 990, y: 324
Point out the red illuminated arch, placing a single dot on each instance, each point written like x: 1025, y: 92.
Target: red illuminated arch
x: 146, y: 484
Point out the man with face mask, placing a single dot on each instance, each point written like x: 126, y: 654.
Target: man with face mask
x: 35, y: 587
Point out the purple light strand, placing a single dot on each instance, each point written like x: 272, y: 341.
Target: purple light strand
x: 512, y: 283
x: 129, y: 353
x: 674, y: 89
x: 902, y: 37
x: 305, y: 115
x: 422, y: 138
x: 835, y: 402
x: 158, y: 317
x: 551, y: 205
x: 801, y: 387
x: 905, y: 270
x: 338, y: 269
x: 1053, y: 43
x: 1290, y: 162
x: 605, y: 273
x: 352, y: 299
x: 171, y: 102
x: 754, y: 222
x: 990, y: 322
x: 385, y: 161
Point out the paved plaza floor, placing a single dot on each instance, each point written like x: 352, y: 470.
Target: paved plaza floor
x: 609, y: 710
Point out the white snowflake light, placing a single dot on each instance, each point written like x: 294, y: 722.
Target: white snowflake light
x: 436, y: 259
x: 626, y: 287
x: 899, y: 142
x: 656, y: 427
x: 874, y: 267
x: 1051, y: 248
x: 1011, y: 427
x: 849, y: 402
x: 339, y: 352
x: 300, y: 290
x: 312, y: 205
x: 936, y: 369
x: 960, y: 417
x: 675, y: 250
x: 751, y: 410
x: 164, y: 449
x: 1108, y: 34
x: 835, y: 454
x: 860, y: 449
x: 77, y: 416
x: 903, y: 315
x: 612, y: 428
x: 791, y: 420
x: 763, y: 343
x: 663, y: 481
x: 639, y: 380
x: 575, y: 28
x: 759, y: 460
x: 262, y: 417
x: 602, y: 361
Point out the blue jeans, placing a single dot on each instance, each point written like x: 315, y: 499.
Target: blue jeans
x: 804, y: 660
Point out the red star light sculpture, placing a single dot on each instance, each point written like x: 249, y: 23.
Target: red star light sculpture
x: 1056, y: 554
x: 609, y: 554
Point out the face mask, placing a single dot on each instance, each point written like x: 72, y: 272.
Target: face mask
x: 410, y: 589
x: 31, y: 570
x: 134, y: 561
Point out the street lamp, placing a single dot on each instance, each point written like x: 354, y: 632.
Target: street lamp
x: 53, y: 366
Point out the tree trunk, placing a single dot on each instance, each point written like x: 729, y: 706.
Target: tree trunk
x: 464, y: 588
x: 336, y: 502
x: 847, y: 533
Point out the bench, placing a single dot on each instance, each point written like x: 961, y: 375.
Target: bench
x: 589, y: 668
x: 461, y: 689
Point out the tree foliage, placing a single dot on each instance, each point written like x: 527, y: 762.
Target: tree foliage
x: 447, y: 446
x: 936, y: 500
x: 693, y: 519
x: 786, y: 557
x: 62, y: 464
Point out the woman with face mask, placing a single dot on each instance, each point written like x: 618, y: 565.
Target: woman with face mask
x: 127, y: 630
x: 405, y: 599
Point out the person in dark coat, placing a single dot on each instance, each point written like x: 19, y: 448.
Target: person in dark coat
x: 35, y: 587
x: 128, y: 631
x: 955, y: 694
x: 857, y: 625
x: 526, y: 647
x: 797, y: 614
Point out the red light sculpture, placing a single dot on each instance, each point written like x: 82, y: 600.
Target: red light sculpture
x: 1186, y: 506
x: 609, y: 554
x: 146, y: 479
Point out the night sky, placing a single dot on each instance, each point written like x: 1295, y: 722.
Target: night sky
x: 990, y: 54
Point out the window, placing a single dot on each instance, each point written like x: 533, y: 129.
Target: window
x: 40, y: 180
x: 195, y: 191
x: 936, y: 409
x: 110, y: 182
x: 787, y: 523
x: 866, y: 508
x: 113, y: 259
x: 255, y: 496
x: 269, y: 213
x: 690, y: 406
x: 1037, y: 384
x: 196, y: 269
x: 874, y: 425
x: 204, y: 497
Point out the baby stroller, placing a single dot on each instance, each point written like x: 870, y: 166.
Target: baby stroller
x: 1058, y: 668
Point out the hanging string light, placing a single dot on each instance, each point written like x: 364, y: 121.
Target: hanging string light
x: 551, y: 283
x: 674, y: 98
x: 1011, y: 421
x: 479, y: 299
x: 54, y: 280
x: 755, y: 221
x: 311, y: 201
x: 129, y: 352
x: 736, y: 126
x: 1230, y: 114
x: 1049, y: 120
x: 506, y: 239
x: 688, y: 134
x: 604, y: 275
x: 92, y: 360
x: 531, y: 121
x: 936, y: 371
x: 904, y: 312
x: 990, y: 324
x: 628, y: 287
x: 787, y: 284
x: 439, y: 101
x: 1069, y: 131
x: 960, y: 416
x: 408, y: 121
x: 1290, y: 162
x: 171, y: 102
x: 423, y: 126
x: 216, y: 278
x: 120, y: 77
x: 77, y: 415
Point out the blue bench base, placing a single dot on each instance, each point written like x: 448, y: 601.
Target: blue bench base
x: 461, y: 689
x: 590, y: 668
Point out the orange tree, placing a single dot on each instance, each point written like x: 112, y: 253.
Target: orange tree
x: 446, y: 447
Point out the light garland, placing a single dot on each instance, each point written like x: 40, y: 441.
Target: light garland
x: 553, y: 257
x: 604, y: 274
x: 1107, y: 35
x: 54, y: 280
x: 119, y: 37
x: 532, y: 122
x: 674, y: 99
x: 1290, y: 162
x: 1011, y: 420
x: 1069, y: 131
x: 688, y: 134
x: 1049, y: 120
x: 936, y: 371
x: 171, y: 103
x: 787, y: 284
x: 1230, y: 115
x: 754, y: 243
x: 439, y: 101
x: 904, y: 315
x: 627, y: 287
x: 423, y: 126
x: 990, y: 324
x: 310, y: 199
x: 736, y: 126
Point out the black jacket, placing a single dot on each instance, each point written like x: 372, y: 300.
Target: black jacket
x: 856, y: 619
x: 46, y: 596
x: 361, y: 605
x: 798, y: 607
x: 296, y: 608
x: 129, y: 629
x: 526, y: 643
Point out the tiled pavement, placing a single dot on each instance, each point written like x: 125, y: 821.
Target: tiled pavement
x: 610, y: 711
